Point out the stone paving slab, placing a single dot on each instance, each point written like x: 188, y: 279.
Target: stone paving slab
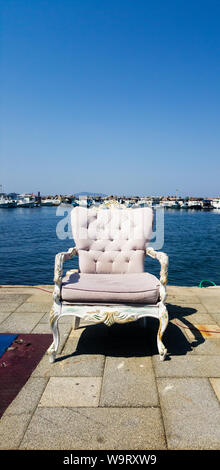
x: 161, y: 404
x: 43, y: 298
x: 128, y: 382
x: 24, y: 289
x: 72, y: 392
x: 68, y: 366
x: 191, y: 413
x: 9, y: 307
x: 8, y: 297
x: 69, y: 363
x: 208, y: 331
x: 31, y: 307
x: 3, y: 317
x: 95, y: 428
x: 66, y: 319
x: 28, y: 398
x: 210, y: 347
x: 45, y: 328
x: 180, y: 300
x: 216, y: 318
x: 198, y: 318
x: 20, y: 322
x: 182, y: 291
x: 184, y: 366
x: 12, y: 430
x: 211, y: 304
x: 211, y: 292
x: 215, y: 383
x: 17, y: 416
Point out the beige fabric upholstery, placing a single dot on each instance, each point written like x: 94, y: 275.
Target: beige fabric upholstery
x: 115, y: 288
x: 111, y: 240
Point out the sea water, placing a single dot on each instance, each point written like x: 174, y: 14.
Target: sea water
x: 29, y: 243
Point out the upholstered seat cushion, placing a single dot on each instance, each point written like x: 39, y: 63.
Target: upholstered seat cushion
x: 115, y: 288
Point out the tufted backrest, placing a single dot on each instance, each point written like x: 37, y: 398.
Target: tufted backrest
x: 111, y: 240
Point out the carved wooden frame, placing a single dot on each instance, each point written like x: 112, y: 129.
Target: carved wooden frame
x: 107, y: 313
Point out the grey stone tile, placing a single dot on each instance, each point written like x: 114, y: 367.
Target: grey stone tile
x: 203, y: 318
x: 216, y: 318
x: 209, y: 347
x: 186, y: 313
x: 27, y: 399
x: 21, y: 323
x: 211, y: 304
x: 12, y: 429
x: 41, y: 328
x: 191, y: 413
x: 128, y: 382
x: 95, y: 428
x: 183, y: 299
x: 7, y: 297
x: 208, y: 293
x: 20, y: 289
x: 215, y: 383
x: 3, y: 316
x: 71, y: 366
x: 45, y: 328
x: 41, y: 297
x: 8, y: 307
x: 14, y: 421
x: 188, y: 366
x: 72, y: 392
x: 66, y: 319
x: 29, y: 307
x: 70, y: 361
x: 179, y: 291
x: 207, y: 331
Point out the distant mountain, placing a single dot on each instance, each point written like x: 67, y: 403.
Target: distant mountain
x: 85, y: 193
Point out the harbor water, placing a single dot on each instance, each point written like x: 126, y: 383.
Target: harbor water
x: 29, y: 243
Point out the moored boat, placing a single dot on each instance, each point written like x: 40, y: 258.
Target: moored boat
x: 4, y: 203
x: 216, y: 203
x: 184, y: 205
x: 50, y: 202
x: 26, y: 202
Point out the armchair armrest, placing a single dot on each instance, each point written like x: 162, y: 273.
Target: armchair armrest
x: 163, y: 260
x: 60, y: 258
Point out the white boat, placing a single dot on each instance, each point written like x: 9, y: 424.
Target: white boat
x: 26, y: 202
x: 194, y: 204
x: 165, y: 204
x: 50, y: 202
x: 184, y: 205
x: 12, y: 203
x: 216, y: 203
x: 175, y: 205
x: 169, y: 204
x: 4, y: 203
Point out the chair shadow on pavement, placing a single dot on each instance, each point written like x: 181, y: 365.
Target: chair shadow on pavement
x: 136, y: 340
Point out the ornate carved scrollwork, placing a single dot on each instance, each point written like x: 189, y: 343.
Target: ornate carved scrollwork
x: 110, y: 317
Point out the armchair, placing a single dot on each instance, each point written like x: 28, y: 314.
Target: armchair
x: 111, y: 285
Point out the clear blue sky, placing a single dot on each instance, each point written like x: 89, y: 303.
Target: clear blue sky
x: 112, y: 96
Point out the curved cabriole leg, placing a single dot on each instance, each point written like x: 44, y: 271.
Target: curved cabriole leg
x: 76, y: 323
x: 163, y: 319
x: 52, y: 350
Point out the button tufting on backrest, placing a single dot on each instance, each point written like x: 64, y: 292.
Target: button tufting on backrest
x: 115, y: 240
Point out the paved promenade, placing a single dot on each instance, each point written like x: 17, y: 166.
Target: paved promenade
x: 108, y: 389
